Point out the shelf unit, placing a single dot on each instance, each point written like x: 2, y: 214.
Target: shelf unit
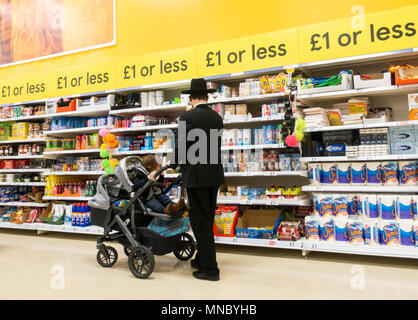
x: 21, y: 184
x: 363, y: 126
x: 74, y: 131
x: 75, y: 199
x: 310, y: 99
x: 92, y: 230
x: 73, y: 173
x: 34, y: 140
x: 360, y: 188
x: 23, y: 204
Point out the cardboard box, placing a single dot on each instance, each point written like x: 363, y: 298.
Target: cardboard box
x: 413, y: 106
x: 260, y: 219
x: 20, y: 131
x: 406, y: 76
x: 374, y: 80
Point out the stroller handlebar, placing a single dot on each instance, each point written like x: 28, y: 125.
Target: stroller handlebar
x: 157, y: 174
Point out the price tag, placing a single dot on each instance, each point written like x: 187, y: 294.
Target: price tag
x: 234, y: 240
x: 314, y: 246
x: 291, y: 244
x: 216, y: 238
x: 272, y: 243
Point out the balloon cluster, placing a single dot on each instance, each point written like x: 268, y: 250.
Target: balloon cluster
x: 109, y: 141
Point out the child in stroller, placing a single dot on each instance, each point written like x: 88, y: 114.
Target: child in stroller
x: 155, y: 200
x: 142, y: 232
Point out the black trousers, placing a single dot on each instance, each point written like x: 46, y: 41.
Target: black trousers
x: 202, y: 216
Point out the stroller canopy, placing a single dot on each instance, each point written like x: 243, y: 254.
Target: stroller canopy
x: 126, y: 164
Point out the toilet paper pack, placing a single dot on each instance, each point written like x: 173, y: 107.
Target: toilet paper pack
x: 368, y: 205
x: 324, y: 204
x: 404, y: 207
x: 389, y: 233
x: 358, y: 173
x: 344, y: 173
x: 326, y: 229
x: 371, y: 232
x: 341, y: 229
x: 407, y: 173
x: 312, y: 228
x: 315, y: 173
x: 416, y: 232
x: 415, y: 206
x: 387, y: 206
x: 340, y: 205
x: 389, y: 173
x: 374, y: 173
x: 407, y: 233
x: 329, y: 173
x: 354, y: 204
x: 355, y: 232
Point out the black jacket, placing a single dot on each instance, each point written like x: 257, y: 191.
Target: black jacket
x: 208, y: 171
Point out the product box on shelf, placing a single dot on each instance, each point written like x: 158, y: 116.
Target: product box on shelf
x: 290, y: 230
x: 406, y: 76
x: 20, y: 130
x: 402, y: 140
x: 372, y: 80
x: 346, y: 84
x: 258, y: 224
x: 225, y: 221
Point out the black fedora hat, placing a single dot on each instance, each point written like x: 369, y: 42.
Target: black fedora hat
x: 198, y: 86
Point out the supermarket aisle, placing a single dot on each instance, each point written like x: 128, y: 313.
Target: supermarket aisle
x: 31, y: 265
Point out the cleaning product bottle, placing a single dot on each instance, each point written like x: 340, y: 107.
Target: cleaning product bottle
x: 82, y: 215
x: 74, y: 215
x: 88, y: 211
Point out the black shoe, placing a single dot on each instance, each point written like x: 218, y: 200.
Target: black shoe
x: 203, y: 276
x: 194, y: 265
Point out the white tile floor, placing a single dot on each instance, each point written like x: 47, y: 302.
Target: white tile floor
x: 63, y: 266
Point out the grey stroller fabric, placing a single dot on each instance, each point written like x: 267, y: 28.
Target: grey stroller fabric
x: 111, y: 185
x: 107, y: 186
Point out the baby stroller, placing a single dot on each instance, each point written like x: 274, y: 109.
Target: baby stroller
x: 128, y: 225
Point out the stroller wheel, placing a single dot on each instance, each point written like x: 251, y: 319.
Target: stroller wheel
x: 107, y: 256
x: 185, y: 247
x: 141, y: 262
x: 127, y: 251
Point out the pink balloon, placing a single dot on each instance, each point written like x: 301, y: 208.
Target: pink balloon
x: 103, y: 132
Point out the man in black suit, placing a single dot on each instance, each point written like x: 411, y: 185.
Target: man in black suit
x: 199, y: 155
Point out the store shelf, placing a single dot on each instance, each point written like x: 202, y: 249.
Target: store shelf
x: 100, y: 110
x: 245, y: 119
x: 23, y: 170
x: 269, y: 202
x: 30, y: 118
x: 359, y: 188
x: 48, y: 198
x: 34, y: 140
x: 50, y: 227
x: 149, y: 110
x: 70, y: 152
x: 145, y: 128
x: 21, y: 184
x: 74, y: 131
x: 23, y: 204
x: 363, y: 158
x: 364, y: 126
x: 398, y: 252
x: 391, y: 90
x: 251, y: 147
x: 254, y: 174
x: 257, y: 98
x: 268, y: 243
x: 21, y: 157
x: 131, y: 153
x: 73, y: 173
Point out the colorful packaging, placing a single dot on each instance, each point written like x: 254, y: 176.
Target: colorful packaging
x: 407, y: 173
x: 324, y: 205
x: 340, y: 205
x: 415, y: 206
x: 358, y: 173
x: 344, y: 173
x: 374, y: 173
x: 354, y: 205
x: 355, y: 232
x: 371, y: 231
x: 369, y: 205
x: 389, y: 173
x: 404, y: 207
x: 326, y: 229
x: 315, y: 173
x: 341, y: 229
x: 387, y: 207
x: 329, y: 173
x: 406, y: 233
x: 389, y: 233
x: 311, y: 228
x: 416, y: 232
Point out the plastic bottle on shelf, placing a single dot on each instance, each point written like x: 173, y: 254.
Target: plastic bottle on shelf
x: 88, y: 212
x: 74, y: 215
x: 82, y: 215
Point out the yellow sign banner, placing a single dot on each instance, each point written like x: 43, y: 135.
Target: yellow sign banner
x: 84, y: 79
x: 155, y: 68
x: 378, y: 32
x: 274, y: 49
